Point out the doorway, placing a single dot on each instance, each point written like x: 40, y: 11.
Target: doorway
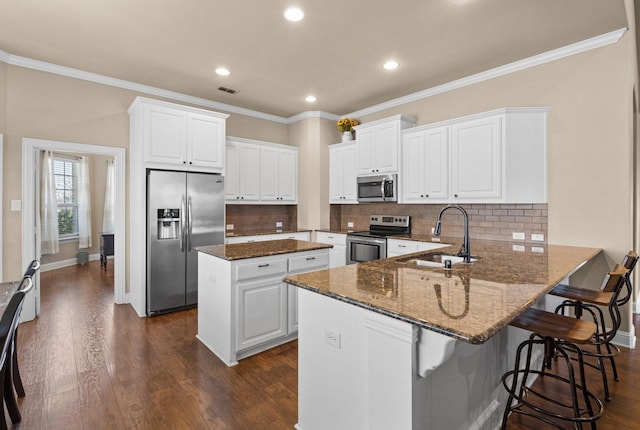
x: 30, y: 235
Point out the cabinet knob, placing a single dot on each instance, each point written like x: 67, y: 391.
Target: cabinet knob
x: 242, y: 198
x: 190, y: 162
x: 237, y: 197
x: 421, y: 195
x: 455, y: 195
x: 184, y: 162
x: 427, y: 195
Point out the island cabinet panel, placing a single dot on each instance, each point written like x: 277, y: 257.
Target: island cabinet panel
x: 244, y: 307
x: 343, y: 173
x: 179, y: 137
x: 492, y: 157
x: 338, y: 254
x: 378, y: 144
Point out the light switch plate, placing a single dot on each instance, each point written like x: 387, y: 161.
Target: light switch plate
x: 16, y: 205
x: 518, y: 236
x: 538, y: 249
x: 229, y: 226
x: 537, y: 237
x: 349, y: 224
x: 519, y: 248
x: 278, y: 224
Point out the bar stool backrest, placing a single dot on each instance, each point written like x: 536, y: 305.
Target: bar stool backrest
x: 614, y: 279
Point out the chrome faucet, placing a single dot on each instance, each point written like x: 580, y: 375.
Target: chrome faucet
x: 465, y: 251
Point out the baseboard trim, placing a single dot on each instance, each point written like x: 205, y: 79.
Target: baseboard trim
x: 67, y: 263
x: 625, y: 339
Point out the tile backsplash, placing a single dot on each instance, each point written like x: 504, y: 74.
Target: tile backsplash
x: 486, y: 221
x: 261, y: 217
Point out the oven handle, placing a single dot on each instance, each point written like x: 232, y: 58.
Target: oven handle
x: 352, y: 239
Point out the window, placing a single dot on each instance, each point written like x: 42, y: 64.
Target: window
x: 65, y: 172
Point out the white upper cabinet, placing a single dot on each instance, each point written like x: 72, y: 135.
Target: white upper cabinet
x: 342, y: 173
x: 242, y: 182
x: 378, y: 144
x: 260, y: 172
x: 179, y: 137
x: 279, y: 175
x: 492, y: 157
x: 425, y: 167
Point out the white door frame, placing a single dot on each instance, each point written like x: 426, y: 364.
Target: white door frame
x: 30, y: 151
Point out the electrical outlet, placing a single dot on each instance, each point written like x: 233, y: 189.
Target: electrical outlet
x: 537, y: 237
x: 332, y: 338
x: 229, y: 226
x: 538, y: 249
x: 350, y: 224
x: 519, y: 248
x: 278, y: 224
x: 433, y: 230
x: 518, y: 236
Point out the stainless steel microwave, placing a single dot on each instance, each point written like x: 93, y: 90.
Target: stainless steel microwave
x: 378, y: 188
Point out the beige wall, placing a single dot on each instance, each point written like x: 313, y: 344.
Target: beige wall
x: 47, y: 106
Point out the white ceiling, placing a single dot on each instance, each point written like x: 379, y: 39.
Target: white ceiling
x: 335, y: 53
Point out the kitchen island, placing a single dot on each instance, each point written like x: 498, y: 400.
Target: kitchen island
x: 243, y: 305
x: 392, y: 344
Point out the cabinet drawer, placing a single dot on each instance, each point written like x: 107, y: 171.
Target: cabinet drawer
x: 306, y: 263
x: 260, y: 269
x: 401, y: 247
x: 331, y: 238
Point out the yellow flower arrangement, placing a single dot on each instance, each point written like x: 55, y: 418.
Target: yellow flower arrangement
x: 346, y: 124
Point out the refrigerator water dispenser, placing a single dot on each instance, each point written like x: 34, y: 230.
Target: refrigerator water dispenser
x: 168, y: 223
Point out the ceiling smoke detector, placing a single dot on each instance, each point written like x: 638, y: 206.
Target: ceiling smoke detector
x: 228, y: 90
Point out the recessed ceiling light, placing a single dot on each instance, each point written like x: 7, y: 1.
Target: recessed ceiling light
x: 310, y: 99
x: 222, y: 71
x: 390, y: 65
x: 294, y: 14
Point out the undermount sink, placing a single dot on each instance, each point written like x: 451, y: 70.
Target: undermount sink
x: 435, y: 259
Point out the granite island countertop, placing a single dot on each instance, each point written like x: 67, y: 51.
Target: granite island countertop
x: 470, y: 302
x: 240, y: 251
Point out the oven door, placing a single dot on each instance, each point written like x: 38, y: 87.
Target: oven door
x: 361, y: 249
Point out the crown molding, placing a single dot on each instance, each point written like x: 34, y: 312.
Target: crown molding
x: 556, y: 54
x: 516, y: 66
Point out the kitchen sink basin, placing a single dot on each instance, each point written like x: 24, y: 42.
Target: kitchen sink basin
x: 434, y: 259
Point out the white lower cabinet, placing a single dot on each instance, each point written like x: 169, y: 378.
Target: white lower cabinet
x: 397, y: 247
x: 244, y: 307
x: 338, y: 253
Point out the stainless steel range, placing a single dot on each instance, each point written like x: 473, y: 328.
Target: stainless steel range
x: 372, y: 244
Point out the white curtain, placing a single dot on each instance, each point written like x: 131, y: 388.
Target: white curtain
x: 109, y: 199
x: 48, y: 207
x: 84, y: 204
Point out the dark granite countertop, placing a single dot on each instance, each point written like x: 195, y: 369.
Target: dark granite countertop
x: 241, y: 251
x: 262, y: 231
x: 470, y: 302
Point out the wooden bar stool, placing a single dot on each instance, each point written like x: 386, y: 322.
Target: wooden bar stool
x: 591, y: 302
x: 559, y: 335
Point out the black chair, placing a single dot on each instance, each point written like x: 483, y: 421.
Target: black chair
x: 25, y: 287
x: 591, y: 302
x: 8, y: 324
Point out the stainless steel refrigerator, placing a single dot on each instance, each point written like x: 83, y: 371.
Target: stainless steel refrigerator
x: 184, y: 211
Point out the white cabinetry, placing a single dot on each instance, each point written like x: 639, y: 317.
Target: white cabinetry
x: 179, y: 137
x: 492, y: 157
x: 261, y: 172
x: 425, y: 167
x: 244, y: 305
x: 279, y: 175
x: 396, y: 247
x: 338, y: 253
x: 378, y: 144
x: 342, y: 173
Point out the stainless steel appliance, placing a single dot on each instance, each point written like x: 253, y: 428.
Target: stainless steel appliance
x: 372, y: 244
x: 184, y: 210
x: 378, y: 188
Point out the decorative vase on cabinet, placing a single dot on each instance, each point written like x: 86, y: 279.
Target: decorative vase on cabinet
x: 347, y: 136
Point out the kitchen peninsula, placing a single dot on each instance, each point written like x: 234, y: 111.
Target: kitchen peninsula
x: 244, y: 307
x: 392, y: 344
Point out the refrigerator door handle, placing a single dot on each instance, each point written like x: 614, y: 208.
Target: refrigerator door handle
x: 182, y: 223
x: 189, y: 223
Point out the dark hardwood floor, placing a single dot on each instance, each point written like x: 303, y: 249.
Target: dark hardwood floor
x: 89, y: 364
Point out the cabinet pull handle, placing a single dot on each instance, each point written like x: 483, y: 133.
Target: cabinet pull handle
x: 329, y: 237
x: 402, y: 246
x: 311, y: 258
x: 263, y: 265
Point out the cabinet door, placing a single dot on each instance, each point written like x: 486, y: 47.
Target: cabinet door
x: 349, y: 175
x: 436, y: 164
x: 249, y: 178
x: 477, y: 159
x: 269, y: 174
x: 413, y: 167
x: 336, y: 174
x: 367, y: 163
x: 232, y: 180
x: 338, y: 256
x: 386, y: 147
x: 288, y: 175
x: 261, y: 313
x: 292, y: 322
x: 166, y: 136
x: 205, y: 141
